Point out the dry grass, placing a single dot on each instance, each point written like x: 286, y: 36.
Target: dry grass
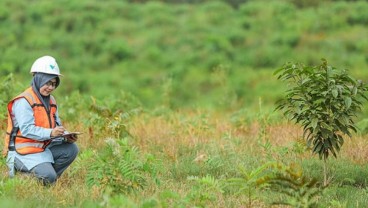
x: 179, y: 130
x: 169, y: 133
x: 175, y: 131
x: 356, y: 149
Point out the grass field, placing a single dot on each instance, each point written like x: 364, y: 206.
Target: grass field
x: 177, y: 101
x: 187, y: 159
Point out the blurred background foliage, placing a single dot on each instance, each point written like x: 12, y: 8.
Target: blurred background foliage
x: 181, y: 53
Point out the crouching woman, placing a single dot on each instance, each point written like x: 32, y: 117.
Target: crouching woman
x: 34, y: 141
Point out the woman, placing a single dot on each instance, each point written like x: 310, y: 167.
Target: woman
x: 34, y: 141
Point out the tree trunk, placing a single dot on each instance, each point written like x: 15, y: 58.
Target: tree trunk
x: 325, y: 180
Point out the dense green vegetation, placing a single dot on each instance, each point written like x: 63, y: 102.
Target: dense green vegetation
x: 179, y: 55
x: 176, y: 100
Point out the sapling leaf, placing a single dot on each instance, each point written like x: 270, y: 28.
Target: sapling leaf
x: 335, y: 93
x: 347, y: 101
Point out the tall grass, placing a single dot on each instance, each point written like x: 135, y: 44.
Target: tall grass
x: 181, y: 155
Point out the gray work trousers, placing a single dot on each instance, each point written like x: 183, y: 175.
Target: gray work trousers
x: 64, y: 154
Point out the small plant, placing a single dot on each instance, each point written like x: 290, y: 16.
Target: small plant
x: 206, y: 189
x: 297, y: 190
x: 110, y: 121
x: 117, y: 167
x: 323, y: 100
x: 250, y: 180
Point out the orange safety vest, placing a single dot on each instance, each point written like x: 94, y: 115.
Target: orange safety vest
x: 24, y: 145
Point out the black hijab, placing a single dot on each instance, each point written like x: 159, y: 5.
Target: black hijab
x: 39, y: 80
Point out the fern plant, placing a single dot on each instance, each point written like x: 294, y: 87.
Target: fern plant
x: 205, y: 189
x: 111, y: 121
x: 117, y: 167
x: 296, y: 189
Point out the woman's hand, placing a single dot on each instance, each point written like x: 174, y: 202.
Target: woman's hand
x: 71, y: 138
x: 57, y: 131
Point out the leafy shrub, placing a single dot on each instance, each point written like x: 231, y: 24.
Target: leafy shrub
x: 205, y: 190
x: 118, y: 167
x: 296, y: 189
x: 112, y: 118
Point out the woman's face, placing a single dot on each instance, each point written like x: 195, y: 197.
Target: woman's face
x: 47, y: 88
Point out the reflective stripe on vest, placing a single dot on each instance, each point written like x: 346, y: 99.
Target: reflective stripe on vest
x: 42, y: 118
x: 29, y: 144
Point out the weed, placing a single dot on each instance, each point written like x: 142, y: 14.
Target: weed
x: 205, y: 190
x: 118, y: 167
x: 251, y: 180
x: 296, y: 189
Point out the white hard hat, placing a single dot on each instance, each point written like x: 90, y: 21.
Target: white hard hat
x: 47, y: 65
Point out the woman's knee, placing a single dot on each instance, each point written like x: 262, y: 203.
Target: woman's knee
x: 48, y: 179
x: 65, y: 152
x: 45, y: 173
x: 73, y: 150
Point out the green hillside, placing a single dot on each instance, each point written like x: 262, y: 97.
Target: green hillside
x: 180, y: 55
